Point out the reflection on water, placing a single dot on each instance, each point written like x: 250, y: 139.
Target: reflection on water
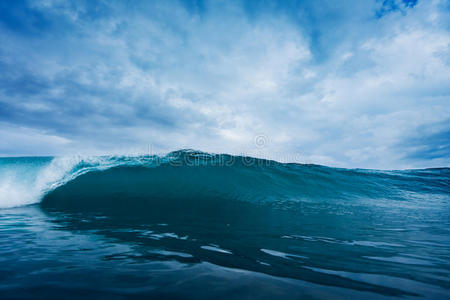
x: 234, y: 250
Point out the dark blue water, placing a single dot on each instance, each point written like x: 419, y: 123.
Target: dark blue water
x: 191, y: 225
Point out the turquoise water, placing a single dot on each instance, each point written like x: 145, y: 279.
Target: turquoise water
x: 192, y: 225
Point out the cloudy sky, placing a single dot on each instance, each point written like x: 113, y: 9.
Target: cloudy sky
x: 340, y: 83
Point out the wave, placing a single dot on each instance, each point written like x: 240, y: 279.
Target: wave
x: 384, y: 232
x: 192, y: 174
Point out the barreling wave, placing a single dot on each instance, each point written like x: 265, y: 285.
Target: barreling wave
x: 188, y: 174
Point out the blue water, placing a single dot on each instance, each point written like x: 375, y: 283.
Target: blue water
x: 192, y: 225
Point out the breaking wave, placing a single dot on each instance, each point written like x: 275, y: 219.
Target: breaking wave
x: 191, y: 174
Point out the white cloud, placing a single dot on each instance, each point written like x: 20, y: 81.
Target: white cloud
x: 160, y: 75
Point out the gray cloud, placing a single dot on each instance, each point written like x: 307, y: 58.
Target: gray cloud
x: 342, y: 85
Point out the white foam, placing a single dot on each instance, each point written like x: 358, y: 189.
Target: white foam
x: 26, y: 184
x: 14, y: 193
x: 26, y: 180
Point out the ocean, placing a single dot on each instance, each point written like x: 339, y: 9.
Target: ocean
x: 193, y: 225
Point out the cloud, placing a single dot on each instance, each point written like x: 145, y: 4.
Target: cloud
x: 332, y: 83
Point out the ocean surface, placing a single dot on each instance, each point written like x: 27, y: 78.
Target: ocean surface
x: 192, y: 225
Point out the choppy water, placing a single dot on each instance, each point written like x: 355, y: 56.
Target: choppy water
x: 195, y: 225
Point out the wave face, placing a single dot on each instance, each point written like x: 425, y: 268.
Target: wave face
x: 357, y: 232
x: 190, y: 174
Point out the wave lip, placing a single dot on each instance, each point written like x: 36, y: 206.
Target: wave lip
x: 26, y: 180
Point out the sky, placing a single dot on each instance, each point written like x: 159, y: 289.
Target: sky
x: 360, y: 84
